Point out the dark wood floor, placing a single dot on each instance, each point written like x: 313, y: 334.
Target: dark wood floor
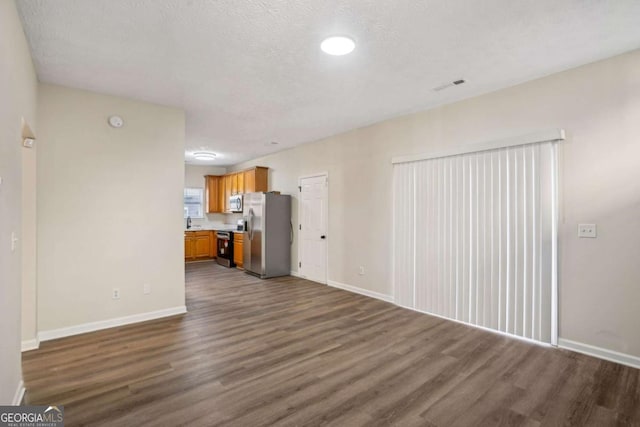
x: 292, y: 352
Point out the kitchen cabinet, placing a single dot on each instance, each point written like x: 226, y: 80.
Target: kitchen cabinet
x: 199, y: 245
x: 256, y: 180
x: 234, y: 183
x: 238, y: 239
x: 220, y: 188
x: 241, y: 183
x: 188, y: 246
x: 224, y: 200
x: 202, y: 244
x: 217, y: 192
x: 213, y: 199
x: 227, y: 192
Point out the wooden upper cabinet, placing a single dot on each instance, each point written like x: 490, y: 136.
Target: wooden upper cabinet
x: 212, y: 194
x: 250, y: 181
x: 256, y: 180
x: 227, y: 192
x: 220, y: 188
x: 224, y: 200
x: 234, y: 183
x: 240, y: 182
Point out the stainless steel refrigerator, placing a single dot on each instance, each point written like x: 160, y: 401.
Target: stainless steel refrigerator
x: 268, y: 238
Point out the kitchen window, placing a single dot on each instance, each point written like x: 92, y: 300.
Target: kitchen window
x: 193, y: 202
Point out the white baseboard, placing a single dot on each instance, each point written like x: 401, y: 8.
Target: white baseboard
x: 484, y: 328
x: 600, y: 353
x: 28, y: 345
x: 350, y: 288
x: 590, y: 350
x: 357, y: 290
x: 17, y: 398
x: 110, y: 323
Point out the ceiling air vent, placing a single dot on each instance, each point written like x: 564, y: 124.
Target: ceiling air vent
x: 447, y: 85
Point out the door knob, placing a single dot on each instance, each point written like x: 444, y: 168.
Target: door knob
x: 323, y: 237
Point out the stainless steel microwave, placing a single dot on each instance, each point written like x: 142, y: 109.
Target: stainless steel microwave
x: 235, y: 203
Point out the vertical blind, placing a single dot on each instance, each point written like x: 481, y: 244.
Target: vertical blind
x: 474, y: 238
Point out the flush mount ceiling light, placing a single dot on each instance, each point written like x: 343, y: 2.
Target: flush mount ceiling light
x: 338, y: 45
x: 203, y: 155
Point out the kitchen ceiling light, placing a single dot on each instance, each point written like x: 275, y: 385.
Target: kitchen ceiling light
x: 338, y: 45
x: 203, y: 155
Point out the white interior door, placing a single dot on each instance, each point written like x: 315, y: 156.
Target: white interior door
x: 313, y: 228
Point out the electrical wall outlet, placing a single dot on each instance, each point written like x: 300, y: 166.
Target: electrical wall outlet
x: 116, y: 293
x: 146, y: 289
x: 361, y: 271
x: 587, y: 231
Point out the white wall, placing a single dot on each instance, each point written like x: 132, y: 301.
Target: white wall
x: 17, y: 100
x: 194, y: 178
x: 29, y: 246
x: 598, y: 105
x: 109, y: 207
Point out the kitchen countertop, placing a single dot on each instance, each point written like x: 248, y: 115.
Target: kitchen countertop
x: 213, y: 228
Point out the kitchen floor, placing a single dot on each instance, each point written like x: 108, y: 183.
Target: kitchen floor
x: 288, y: 351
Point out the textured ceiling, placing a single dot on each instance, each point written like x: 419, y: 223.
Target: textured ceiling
x: 248, y: 72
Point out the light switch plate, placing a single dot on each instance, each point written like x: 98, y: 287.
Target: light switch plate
x: 587, y: 231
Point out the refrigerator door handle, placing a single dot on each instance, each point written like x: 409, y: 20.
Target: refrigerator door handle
x: 250, y: 224
x: 291, y: 238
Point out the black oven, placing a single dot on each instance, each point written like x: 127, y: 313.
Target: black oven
x: 224, y: 248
